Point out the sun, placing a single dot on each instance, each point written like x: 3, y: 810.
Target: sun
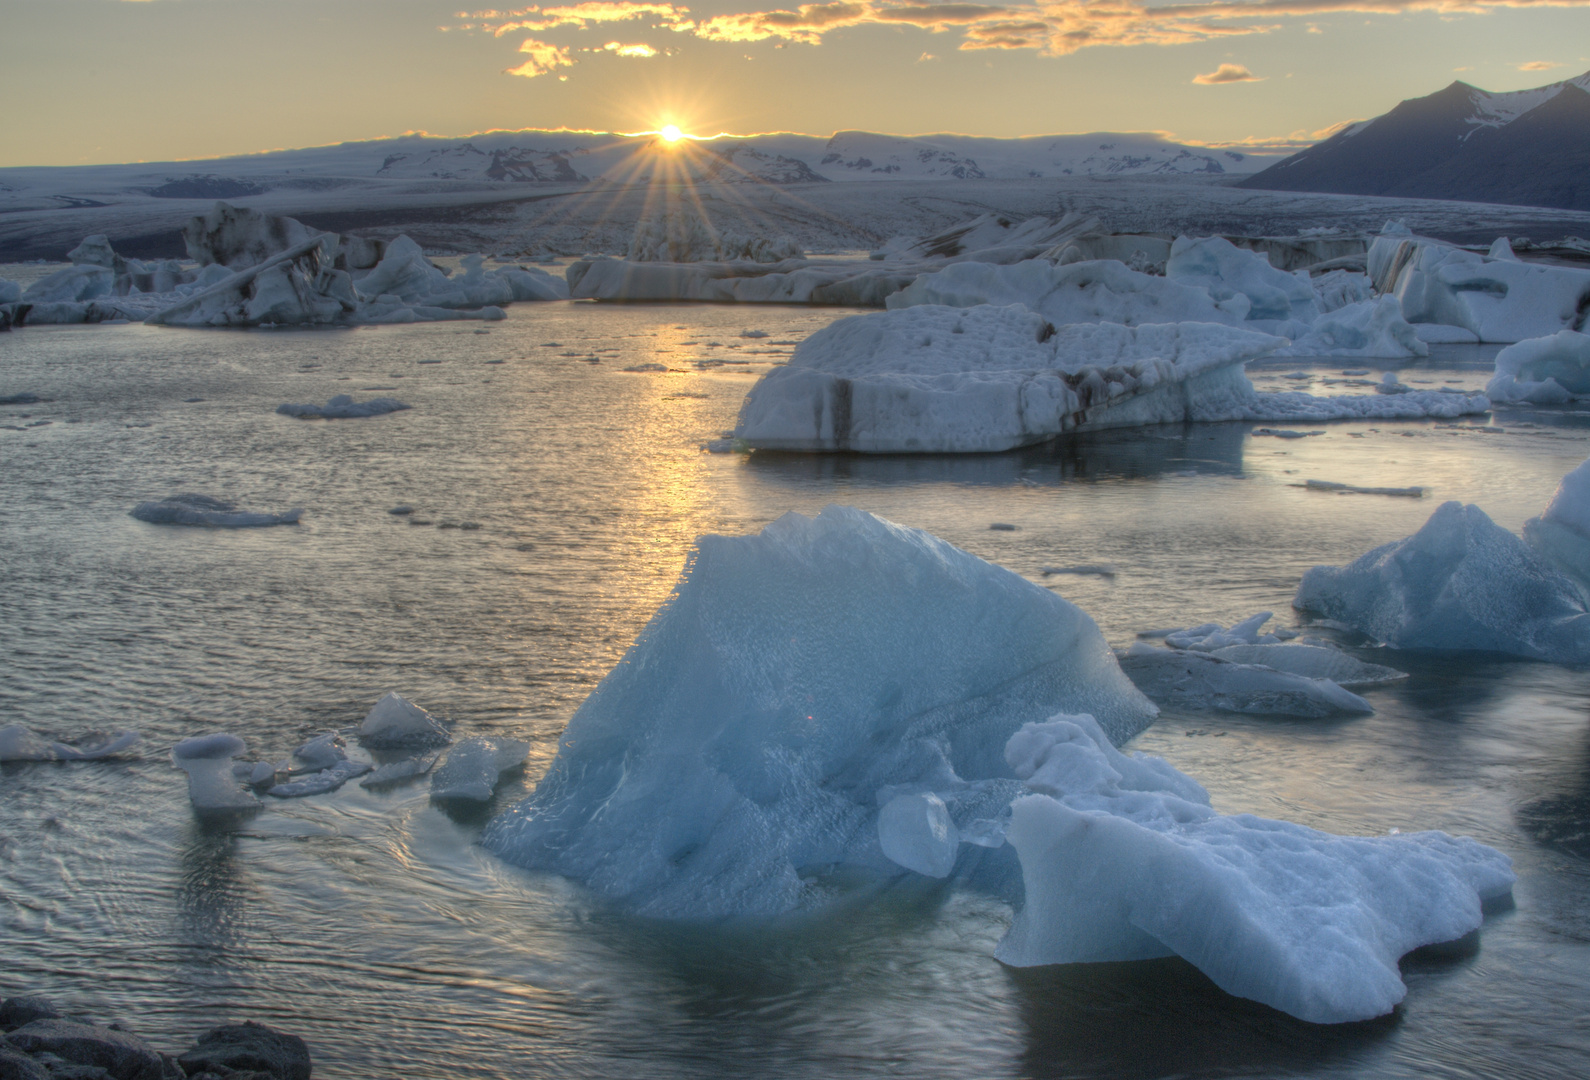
x: 671, y: 132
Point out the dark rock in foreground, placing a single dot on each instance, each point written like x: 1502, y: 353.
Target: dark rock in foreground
x: 248, y: 1047
x: 122, y: 1056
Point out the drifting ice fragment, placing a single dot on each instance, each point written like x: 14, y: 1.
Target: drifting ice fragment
x: 1562, y: 532
x: 1460, y: 582
x: 1367, y: 328
x: 1546, y: 371
x: 395, y: 723
x: 321, y: 752
x: 394, y: 771
x: 343, y: 407
x: 17, y: 743
x: 1122, y: 858
x: 1331, y: 485
x: 207, y: 759
x: 1194, y: 680
x: 208, y: 512
x: 1313, y: 662
x: 1227, y: 271
x: 318, y: 783
x: 744, y: 738
x: 916, y: 831
x: 474, y: 767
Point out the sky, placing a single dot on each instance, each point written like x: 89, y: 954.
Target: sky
x: 96, y: 81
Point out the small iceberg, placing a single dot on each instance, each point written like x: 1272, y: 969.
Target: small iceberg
x: 395, y: 723
x: 475, y: 766
x: 17, y: 743
x: 394, y: 771
x: 1122, y: 858
x: 212, y: 786
x: 1562, y: 531
x: 1460, y: 582
x: 1185, y: 679
x: 1543, y: 371
x: 343, y: 407
x: 206, y: 511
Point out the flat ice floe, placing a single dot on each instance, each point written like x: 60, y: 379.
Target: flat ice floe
x: 1122, y: 858
x: 475, y: 766
x: 934, y: 379
x: 206, y: 511
x: 343, y: 407
x: 796, y: 683
x: 1460, y: 582
x: 1182, y: 678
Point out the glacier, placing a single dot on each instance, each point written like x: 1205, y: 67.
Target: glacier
x: 795, y: 684
x: 1123, y: 858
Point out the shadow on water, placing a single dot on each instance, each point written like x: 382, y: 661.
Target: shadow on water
x: 1127, y: 454
x: 1561, y: 819
x: 1153, y: 1018
x: 212, y: 887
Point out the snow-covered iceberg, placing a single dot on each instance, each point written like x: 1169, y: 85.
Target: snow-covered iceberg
x: 208, y: 512
x: 1227, y: 272
x: 1498, y: 299
x: 343, y: 407
x: 796, y: 682
x: 1460, y: 582
x: 934, y: 379
x: 1545, y: 371
x: 1122, y: 858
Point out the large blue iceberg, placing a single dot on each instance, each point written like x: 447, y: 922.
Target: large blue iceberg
x: 796, y: 683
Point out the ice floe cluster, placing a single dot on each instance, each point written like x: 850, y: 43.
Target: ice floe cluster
x: 17, y: 743
x: 839, y: 699
x: 255, y: 269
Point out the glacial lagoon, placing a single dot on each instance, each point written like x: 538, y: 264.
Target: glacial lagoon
x: 555, y: 499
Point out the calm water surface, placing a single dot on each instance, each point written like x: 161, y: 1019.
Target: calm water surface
x: 374, y: 925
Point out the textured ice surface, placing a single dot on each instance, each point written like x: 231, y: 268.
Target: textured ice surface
x: 741, y: 745
x: 321, y: 752
x: 207, y: 759
x: 1100, y: 290
x: 1547, y: 370
x: 1562, y: 531
x: 208, y: 512
x: 474, y: 767
x: 930, y: 379
x: 396, y: 723
x: 393, y: 771
x: 17, y: 743
x: 1122, y: 858
x: 1366, y: 328
x: 1460, y: 582
x: 1186, y: 679
x: 1501, y: 300
x: 343, y: 407
x: 917, y: 832
x: 318, y: 783
x: 1227, y: 271
x: 1212, y: 636
x: 1313, y: 662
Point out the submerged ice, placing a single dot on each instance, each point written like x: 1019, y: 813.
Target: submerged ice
x: 1122, y: 858
x: 797, y: 682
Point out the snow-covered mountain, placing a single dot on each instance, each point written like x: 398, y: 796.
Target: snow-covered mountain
x: 1525, y: 148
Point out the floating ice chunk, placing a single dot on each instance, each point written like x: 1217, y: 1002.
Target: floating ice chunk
x: 917, y: 832
x: 474, y: 767
x: 1122, y: 858
x: 10, y: 292
x: 1562, y: 532
x: 1547, y: 370
x: 17, y: 743
x: 239, y: 237
x: 393, y: 771
x: 322, y: 752
x: 745, y: 736
x: 343, y: 407
x: 395, y: 723
x: 294, y: 287
x: 1500, y: 300
x: 208, y: 512
x: 1339, y: 288
x: 1353, y: 489
x: 319, y: 783
x: 1460, y: 582
x: 1195, y: 680
x: 207, y: 761
x: 73, y: 284
x: 1085, y: 570
x: 1225, y: 270
x: 685, y: 236
x: 1313, y: 662
x: 1211, y: 636
x: 405, y: 277
x: 1367, y: 328
x: 1501, y: 249
x: 1095, y: 291
x: 932, y: 379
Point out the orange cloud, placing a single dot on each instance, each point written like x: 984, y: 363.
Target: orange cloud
x: 544, y: 59
x: 1226, y: 73
x: 1538, y: 65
